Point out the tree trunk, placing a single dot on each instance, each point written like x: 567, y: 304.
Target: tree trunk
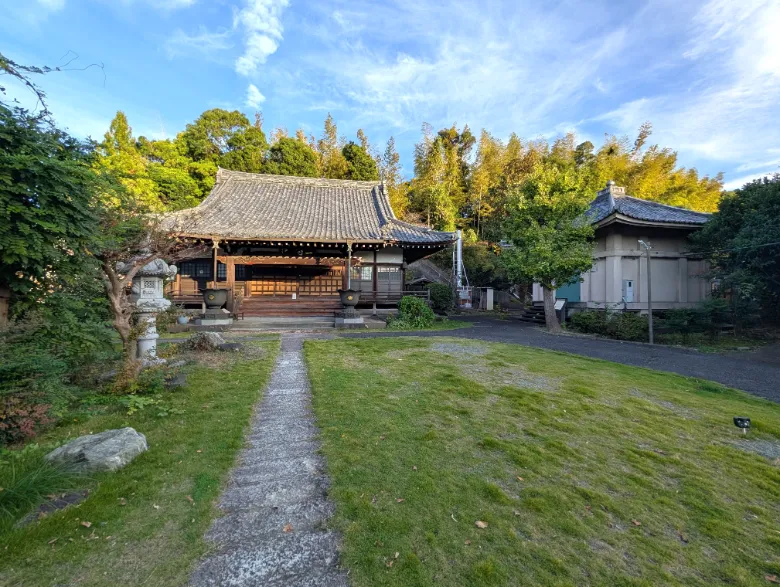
x: 550, y: 317
x: 117, y: 298
x: 5, y: 296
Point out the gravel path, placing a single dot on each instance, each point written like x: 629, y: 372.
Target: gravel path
x: 748, y: 371
x: 275, y: 503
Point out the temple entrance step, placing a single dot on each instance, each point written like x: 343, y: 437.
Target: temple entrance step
x: 282, y: 307
x: 284, y: 323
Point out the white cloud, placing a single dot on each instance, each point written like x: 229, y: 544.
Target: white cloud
x: 732, y: 84
x: 204, y: 42
x: 253, y: 97
x: 740, y: 181
x: 162, y: 5
x: 260, y: 20
x: 53, y: 5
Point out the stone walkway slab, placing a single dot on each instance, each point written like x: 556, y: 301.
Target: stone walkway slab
x: 274, y: 531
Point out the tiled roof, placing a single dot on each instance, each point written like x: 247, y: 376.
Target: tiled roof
x: 277, y: 207
x: 612, y: 199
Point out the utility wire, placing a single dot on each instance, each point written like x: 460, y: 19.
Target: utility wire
x: 699, y: 253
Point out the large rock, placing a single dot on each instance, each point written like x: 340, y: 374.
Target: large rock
x: 106, y: 451
x: 204, y: 341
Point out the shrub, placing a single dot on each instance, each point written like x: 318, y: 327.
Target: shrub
x: 619, y: 325
x: 590, y: 322
x: 442, y: 297
x: 44, y: 358
x: 413, y: 313
x: 628, y: 326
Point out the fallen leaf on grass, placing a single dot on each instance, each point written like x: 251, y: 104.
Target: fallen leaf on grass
x: 587, y: 507
x: 480, y: 524
x: 122, y: 501
x: 413, y: 469
x: 636, y: 522
x: 287, y: 528
x: 189, y: 499
x: 520, y: 479
x: 516, y: 513
x: 198, y: 451
x: 86, y: 524
x: 772, y: 578
x: 389, y: 563
x: 399, y: 500
x: 396, y: 555
x: 467, y: 542
x: 155, y: 506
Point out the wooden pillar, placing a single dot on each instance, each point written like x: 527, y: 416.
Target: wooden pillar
x: 231, y: 272
x: 214, y: 251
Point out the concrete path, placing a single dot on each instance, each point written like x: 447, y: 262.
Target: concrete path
x: 749, y: 371
x: 273, y: 532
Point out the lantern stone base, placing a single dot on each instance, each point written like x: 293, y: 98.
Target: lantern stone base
x: 349, y: 320
x: 215, y: 318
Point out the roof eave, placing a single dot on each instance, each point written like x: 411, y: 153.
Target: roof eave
x: 616, y: 218
x: 310, y: 240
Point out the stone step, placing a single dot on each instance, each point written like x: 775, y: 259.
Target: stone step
x: 271, y: 494
x: 281, y: 468
x: 268, y: 523
x: 310, y: 555
x: 274, y: 452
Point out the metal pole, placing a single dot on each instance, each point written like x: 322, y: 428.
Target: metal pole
x: 649, y: 293
x: 459, y: 261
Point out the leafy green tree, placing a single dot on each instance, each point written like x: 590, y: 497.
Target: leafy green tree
x: 208, y: 136
x: 176, y: 187
x: 546, y: 224
x: 360, y: 165
x: 247, y: 151
x: 741, y: 241
x: 291, y: 157
x: 46, y: 204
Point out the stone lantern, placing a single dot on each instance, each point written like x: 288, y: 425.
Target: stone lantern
x: 147, y: 297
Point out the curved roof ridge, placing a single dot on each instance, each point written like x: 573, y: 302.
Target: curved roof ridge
x: 227, y: 174
x: 255, y: 206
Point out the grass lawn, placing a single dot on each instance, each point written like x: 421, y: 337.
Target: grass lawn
x: 444, y: 324
x: 146, y: 521
x: 585, y: 472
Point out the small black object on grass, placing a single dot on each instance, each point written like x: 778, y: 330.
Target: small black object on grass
x: 742, y: 422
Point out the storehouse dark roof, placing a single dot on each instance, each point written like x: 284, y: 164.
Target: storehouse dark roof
x: 613, y: 200
x: 277, y: 207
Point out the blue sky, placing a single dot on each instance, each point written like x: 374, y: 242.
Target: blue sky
x: 706, y: 73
